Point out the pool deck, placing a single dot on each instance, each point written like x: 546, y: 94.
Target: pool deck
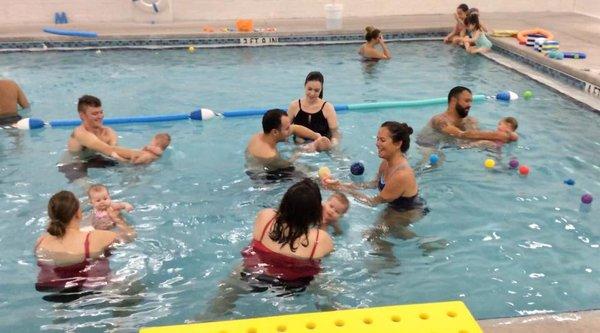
x: 584, y: 321
x: 575, y: 32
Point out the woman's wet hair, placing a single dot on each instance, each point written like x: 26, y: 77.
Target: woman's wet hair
x: 372, y: 33
x: 62, y: 207
x: 299, y: 210
x: 399, y: 132
x: 474, y: 20
x: 316, y: 76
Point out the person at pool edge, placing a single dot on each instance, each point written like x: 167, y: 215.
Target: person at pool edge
x: 262, y: 153
x: 11, y: 95
x: 455, y: 124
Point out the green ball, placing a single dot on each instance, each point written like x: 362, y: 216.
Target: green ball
x: 527, y: 94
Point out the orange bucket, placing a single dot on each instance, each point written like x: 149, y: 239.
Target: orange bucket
x: 244, y: 25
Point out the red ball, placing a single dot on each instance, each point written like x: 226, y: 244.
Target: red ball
x: 524, y: 170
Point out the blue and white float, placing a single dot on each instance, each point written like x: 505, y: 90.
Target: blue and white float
x: 507, y: 96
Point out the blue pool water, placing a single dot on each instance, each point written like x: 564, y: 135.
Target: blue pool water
x: 516, y: 245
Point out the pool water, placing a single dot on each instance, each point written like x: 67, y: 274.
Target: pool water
x: 504, y: 244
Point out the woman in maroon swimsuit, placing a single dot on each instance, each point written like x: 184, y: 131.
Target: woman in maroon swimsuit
x: 72, y: 260
x: 285, y: 252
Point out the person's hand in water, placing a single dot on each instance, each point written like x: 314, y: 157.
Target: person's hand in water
x: 331, y: 184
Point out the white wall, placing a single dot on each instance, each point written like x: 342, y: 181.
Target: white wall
x: 16, y: 12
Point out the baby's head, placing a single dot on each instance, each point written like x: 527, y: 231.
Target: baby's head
x: 472, y: 21
x: 335, y: 207
x: 461, y: 11
x: 508, y: 124
x: 99, y: 197
x: 162, y: 140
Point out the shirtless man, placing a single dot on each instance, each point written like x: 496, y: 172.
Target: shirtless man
x: 262, y: 154
x: 455, y: 124
x: 89, y: 139
x: 11, y: 95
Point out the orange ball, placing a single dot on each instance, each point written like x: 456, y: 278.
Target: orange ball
x: 524, y: 170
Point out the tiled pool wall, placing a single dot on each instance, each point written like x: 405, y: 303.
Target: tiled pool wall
x: 270, y: 39
x: 239, y: 40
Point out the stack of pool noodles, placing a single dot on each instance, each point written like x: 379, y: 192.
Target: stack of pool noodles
x: 547, y: 46
x: 561, y: 55
x: 531, y: 39
x: 537, y: 44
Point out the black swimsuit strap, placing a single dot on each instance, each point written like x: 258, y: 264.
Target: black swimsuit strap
x: 322, y: 106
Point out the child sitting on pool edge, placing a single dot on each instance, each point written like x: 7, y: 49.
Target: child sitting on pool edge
x: 482, y: 43
x: 334, y: 209
x: 106, y: 213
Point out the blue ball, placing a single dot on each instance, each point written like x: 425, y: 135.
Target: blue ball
x: 433, y: 158
x: 357, y: 168
x: 569, y: 181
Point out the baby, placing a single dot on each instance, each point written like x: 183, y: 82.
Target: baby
x: 333, y: 209
x: 321, y: 144
x: 105, y: 214
x: 509, y: 126
x: 506, y: 132
x: 154, y: 150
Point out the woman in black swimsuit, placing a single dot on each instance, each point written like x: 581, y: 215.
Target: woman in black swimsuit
x: 313, y: 112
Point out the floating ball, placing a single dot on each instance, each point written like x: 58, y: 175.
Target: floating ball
x: 587, y: 198
x: 324, y: 172
x: 98, y: 51
x: 569, y: 181
x: 489, y: 163
x: 524, y: 170
x: 433, y: 158
x: 527, y: 94
x: 513, y: 164
x: 191, y: 49
x: 357, y: 168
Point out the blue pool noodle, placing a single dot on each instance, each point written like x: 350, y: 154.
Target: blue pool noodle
x: 260, y: 112
x: 123, y: 120
x: 73, y: 33
x: 402, y: 104
x: 196, y: 115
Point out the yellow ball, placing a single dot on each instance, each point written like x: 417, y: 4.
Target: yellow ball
x: 191, y: 49
x: 324, y: 172
x: 489, y: 163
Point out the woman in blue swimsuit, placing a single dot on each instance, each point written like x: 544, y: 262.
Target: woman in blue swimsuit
x: 397, y: 187
x: 395, y: 179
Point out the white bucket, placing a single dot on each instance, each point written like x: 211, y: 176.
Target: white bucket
x: 333, y: 16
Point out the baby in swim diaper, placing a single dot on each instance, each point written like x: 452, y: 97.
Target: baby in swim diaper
x: 507, y: 130
x: 154, y: 150
x: 106, y: 213
x: 334, y: 209
x: 321, y: 144
x: 509, y: 126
